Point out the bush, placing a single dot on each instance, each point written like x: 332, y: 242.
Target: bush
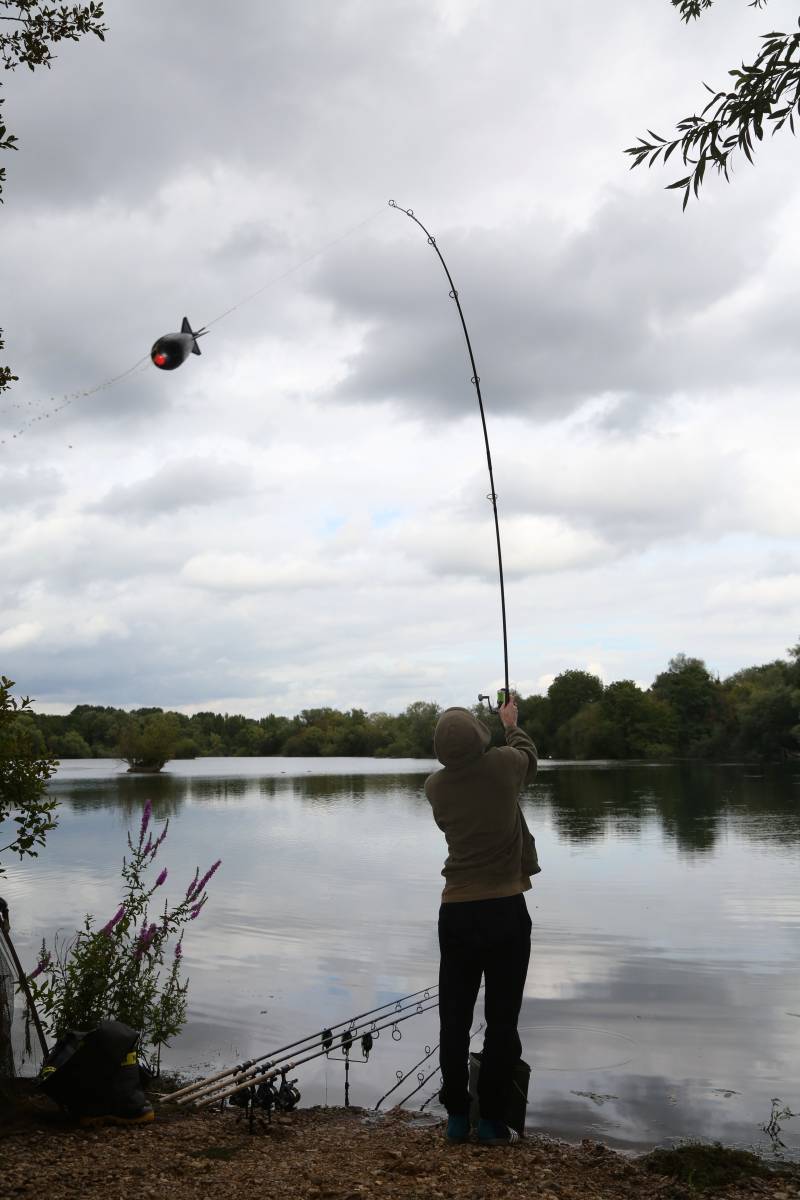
x: 24, y: 772
x: 147, y: 742
x: 117, y: 971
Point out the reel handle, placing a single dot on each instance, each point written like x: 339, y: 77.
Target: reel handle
x: 503, y: 696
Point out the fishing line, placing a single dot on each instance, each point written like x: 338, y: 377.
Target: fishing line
x: 69, y: 398
x: 290, y: 270
x: 82, y: 393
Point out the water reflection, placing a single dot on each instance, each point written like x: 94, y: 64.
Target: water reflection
x: 661, y: 999
x: 691, y: 801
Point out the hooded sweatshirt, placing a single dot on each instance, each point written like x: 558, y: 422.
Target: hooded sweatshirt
x: 475, y: 802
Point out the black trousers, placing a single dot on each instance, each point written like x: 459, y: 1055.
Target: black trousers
x: 489, y: 939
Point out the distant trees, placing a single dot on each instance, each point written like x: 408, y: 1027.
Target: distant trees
x: 694, y: 697
x: 686, y: 713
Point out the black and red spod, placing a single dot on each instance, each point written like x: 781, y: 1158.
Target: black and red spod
x: 174, y: 348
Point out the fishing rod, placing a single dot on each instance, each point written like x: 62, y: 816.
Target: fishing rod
x: 476, y: 381
x: 326, y: 1036
x: 422, y: 1078
x: 268, y: 1071
x: 402, y: 1076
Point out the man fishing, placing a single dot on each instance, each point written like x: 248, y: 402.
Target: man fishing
x: 484, y: 926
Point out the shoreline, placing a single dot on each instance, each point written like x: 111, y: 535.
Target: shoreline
x: 346, y: 1154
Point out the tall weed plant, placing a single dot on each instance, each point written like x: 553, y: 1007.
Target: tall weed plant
x: 125, y: 970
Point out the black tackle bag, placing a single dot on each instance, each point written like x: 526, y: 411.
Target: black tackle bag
x: 517, y: 1103
x: 96, y: 1075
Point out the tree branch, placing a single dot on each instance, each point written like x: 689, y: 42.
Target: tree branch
x: 766, y: 91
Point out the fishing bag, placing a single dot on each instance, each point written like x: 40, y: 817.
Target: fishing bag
x: 96, y: 1075
x: 517, y: 1103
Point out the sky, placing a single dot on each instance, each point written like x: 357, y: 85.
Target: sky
x: 299, y: 516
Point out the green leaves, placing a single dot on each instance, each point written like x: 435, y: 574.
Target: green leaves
x: 42, y: 26
x: 35, y: 28
x: 765, y: 91
x: 24, y: 772
x: 690, y: 10
x: 119, y: 970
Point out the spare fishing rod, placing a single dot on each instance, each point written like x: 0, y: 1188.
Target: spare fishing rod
x: 414, y: 1000
x: 267, y: 1072
x: 324, y: 1035
x: 476, y: 381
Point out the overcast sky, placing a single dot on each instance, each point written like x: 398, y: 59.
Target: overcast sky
x: 298, y: 517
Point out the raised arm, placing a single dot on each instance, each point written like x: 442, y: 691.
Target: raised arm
x: 519, y: 741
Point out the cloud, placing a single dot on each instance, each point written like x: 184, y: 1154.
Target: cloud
x: 238, y: 573
x: 556, y: 316
x: 190, y: 483
x: 29, y: 487
x: 20, y: 635
x: 531, y: 546
x: 777, y: 593
x: 220, y: 533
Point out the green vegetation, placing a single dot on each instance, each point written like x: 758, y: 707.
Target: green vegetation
x: 686, y: 713
x: 25, y: 767
x: 701, y: 1167
x: 28, y: 31
x: 119, y: 970
x: 765, y: 95
x: 147, y: 740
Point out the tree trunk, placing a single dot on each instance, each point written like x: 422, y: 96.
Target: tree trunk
x: 7, y: 981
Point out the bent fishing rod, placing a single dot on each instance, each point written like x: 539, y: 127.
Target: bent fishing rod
x: 476, y: 381
x: 264, y: 1074
x: 413, y: 1000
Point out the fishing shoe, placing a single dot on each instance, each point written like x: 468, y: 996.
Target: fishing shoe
x: 496, y: 1133
x: 457, y: 1128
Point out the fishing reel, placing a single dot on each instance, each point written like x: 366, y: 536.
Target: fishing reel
x: 502, y: 696
x: 267, y: 1095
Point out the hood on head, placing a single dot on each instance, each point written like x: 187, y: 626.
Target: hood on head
x: 459, y: 737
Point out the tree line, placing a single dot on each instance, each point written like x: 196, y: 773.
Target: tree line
x: 687, y: 712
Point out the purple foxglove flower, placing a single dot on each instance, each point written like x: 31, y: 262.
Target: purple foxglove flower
x: 149, y: 845
x: 195, y: 911
x: 146, y: 935
x: 115, y: 920
x: 161, y: 878
x: 179, y: 949
x: 198, y: 889
x: 193, y: 884
x: 148, y: 811
x: 42, y: 965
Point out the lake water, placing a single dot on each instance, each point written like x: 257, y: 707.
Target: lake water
x: 663, y: 996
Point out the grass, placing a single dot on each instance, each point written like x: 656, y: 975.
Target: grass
x: 704, y: 1168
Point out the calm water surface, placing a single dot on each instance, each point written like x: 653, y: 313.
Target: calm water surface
x: 663, y: 997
